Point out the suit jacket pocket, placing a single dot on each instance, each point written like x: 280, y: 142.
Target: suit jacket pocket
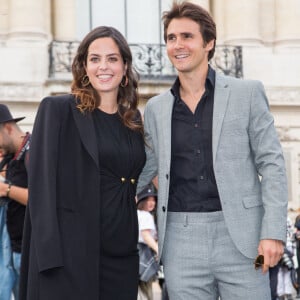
x: 252, y: 201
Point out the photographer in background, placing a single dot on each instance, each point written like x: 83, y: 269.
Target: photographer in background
x: 285, y: 286
x: 297, y: 239
x: 13, y: 190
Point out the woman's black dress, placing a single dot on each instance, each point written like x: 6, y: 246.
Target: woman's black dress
x: 121, y: 157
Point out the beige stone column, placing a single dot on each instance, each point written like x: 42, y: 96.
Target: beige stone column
x: 29, y: 20
x: 64, y: 20
x: 3, y: 18
x: 267, y: 21
x: 287, y: 21
x: 220, y: 19
x: 242, y: 21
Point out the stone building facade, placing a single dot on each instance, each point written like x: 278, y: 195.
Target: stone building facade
x: 257, y: 39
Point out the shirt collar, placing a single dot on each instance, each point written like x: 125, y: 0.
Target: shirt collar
x: 209, y: 83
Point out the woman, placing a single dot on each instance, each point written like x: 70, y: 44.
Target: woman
x: 86, y: 155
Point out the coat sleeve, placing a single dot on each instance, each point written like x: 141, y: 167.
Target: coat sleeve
x: 150, y: 169
x: 42, y: 185
x: 270, y: 165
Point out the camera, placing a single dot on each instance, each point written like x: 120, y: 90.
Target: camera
x: 287, y: 261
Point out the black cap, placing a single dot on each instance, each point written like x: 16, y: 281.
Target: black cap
x: 5, y: 115
x: 149, y: 190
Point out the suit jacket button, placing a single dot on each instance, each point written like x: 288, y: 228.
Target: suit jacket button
x: 163, y: 208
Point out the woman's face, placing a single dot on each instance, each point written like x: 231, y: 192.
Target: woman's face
x: 105, y: 67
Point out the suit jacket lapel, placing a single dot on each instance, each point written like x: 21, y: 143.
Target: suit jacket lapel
x: 220, y: 104
x: 85, y: 126
x: 166, y: 125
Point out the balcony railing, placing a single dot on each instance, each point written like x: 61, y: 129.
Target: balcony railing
x: 150, y: 60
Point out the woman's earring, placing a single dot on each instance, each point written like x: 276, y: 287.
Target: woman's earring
x: 85, y: 81
x: 124, y: 84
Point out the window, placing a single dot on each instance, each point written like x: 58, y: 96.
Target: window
x: 138, y: 20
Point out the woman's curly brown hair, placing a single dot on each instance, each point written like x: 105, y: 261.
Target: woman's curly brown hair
x: 87, y: 97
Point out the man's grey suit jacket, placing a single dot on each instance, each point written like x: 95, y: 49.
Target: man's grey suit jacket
x: 247, y: 158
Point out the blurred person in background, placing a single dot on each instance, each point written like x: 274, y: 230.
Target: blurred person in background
x: 285, y: 287
x: 6, y: 272
x: 273, y: 275
x: 15, y: 144
x: 297, y: 242
x: 146, y: 203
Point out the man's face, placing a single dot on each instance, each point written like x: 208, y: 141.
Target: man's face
x: 2, y: 153
x: 185, y: 46
x: 6, y: 144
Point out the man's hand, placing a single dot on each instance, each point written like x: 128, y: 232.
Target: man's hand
x: 16, y: 193
x: 272, y: 250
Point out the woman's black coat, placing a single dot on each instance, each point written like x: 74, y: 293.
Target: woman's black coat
x: 61, y: 252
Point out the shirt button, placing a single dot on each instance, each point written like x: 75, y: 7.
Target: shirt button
x: 163, y: 208
x: 196, y: 125
x: 167, y: 176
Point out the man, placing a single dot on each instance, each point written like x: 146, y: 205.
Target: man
x: 6, y: 273
x: 222, y: 192
x: 14, y: 142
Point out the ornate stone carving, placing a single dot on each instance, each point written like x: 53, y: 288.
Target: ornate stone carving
x: 284, y: 95
x: 285, y: 134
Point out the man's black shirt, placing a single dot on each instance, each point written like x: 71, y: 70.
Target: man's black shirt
x: 192, y: 181
x: 17, y: 174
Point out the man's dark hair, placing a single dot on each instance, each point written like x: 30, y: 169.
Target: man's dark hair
x: 197, y: 14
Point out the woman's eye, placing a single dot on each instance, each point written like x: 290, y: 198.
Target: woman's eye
x: 112, y: 59
x: 94, y: 59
